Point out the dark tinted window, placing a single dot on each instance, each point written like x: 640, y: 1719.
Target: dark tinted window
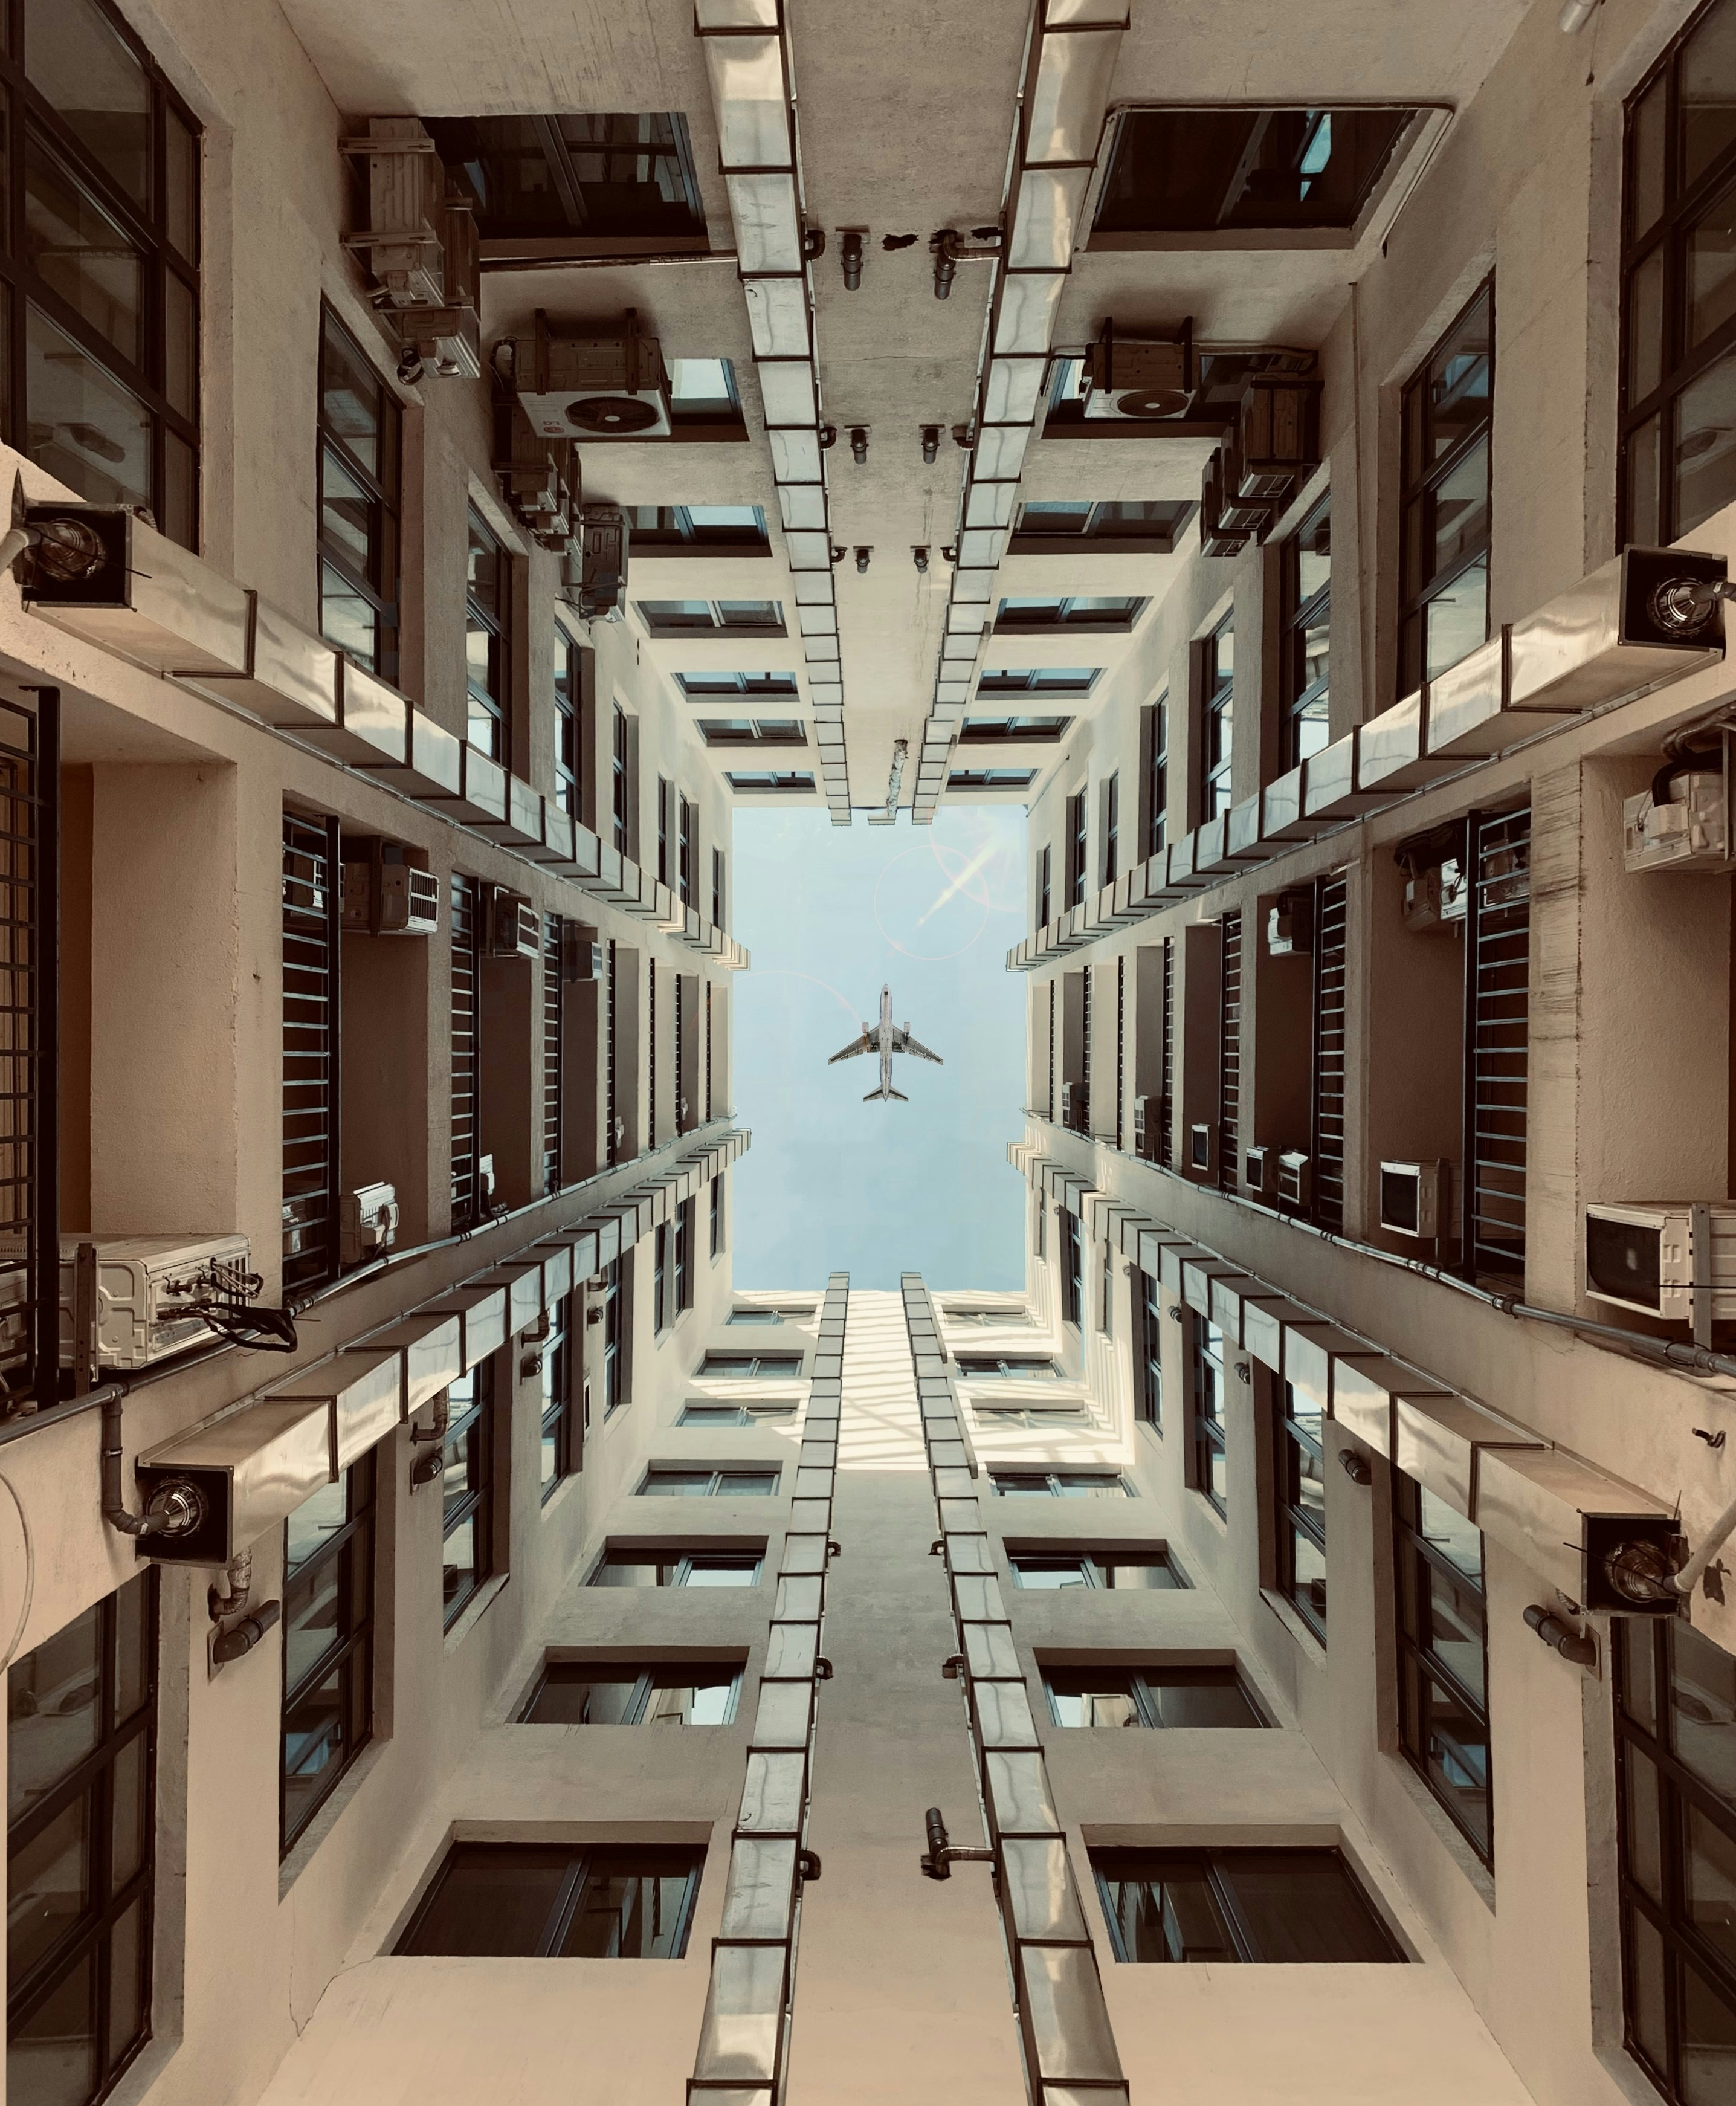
x: 1202, y: 170
x: 1279, y: 1907
x: 526, y: 1901
x: 631, y: 1693
x: 602, y: 176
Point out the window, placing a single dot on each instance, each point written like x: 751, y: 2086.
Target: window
x: 1299, y: 1467
x: 752, y: 731
x: 1217, y: 717
x: 1043, y: 891
x: 615, y: 1338
x: 82, y: 1810
x: 1152, y: 528
x: 569, y: 750
x: 1278, y: 1907
x: 1210, y: 171
x: 751, y: 1367
x: 1153, y: 1696
x: 1148, y: 1376
x: 700, y: 687
x: 1112, y: 829
x: 1156, y: 741
x: 1078, y: 865
x: 1106, y: 1297
x: 666, y: 1481
x: 991, y: 778
x: 1140, y: 1571
x: 360, y: 472
x: 687, y: 848
x: 716, y: 1216
x: 487, y: 608
x: 328, y: 1619
x: 1014, y: 731
x: 683, y: 1279
x: 665, y: 794
x: 1041, y: 1210
x: 671, y: 1692
x: 668, y: 529
x: 678, y: 1568
x: 1444, y: 567
x: 1017, y: 1367
x: 1679, y: 384
x: 312, y: 933
x: 991, y: 1417
x: 103, y: 286
x: 1443, y: 1705
x: 1111, y: 614
x: 700, y: 1411
x: 603, y: 183
x: 621, y: 779
x: 466, y: 1020
x: 1675, y: 1728
x: 990, y: 1320
x: 558, y: 1900
x: 1059, y: 1485
x: 768, y: 1313
x: 705, y: 401
x: 1211, y: 1463
x: 562, y: 1434
x: 1073, y: 1269
x: 1038, y: 680
x: 769, y: 778
x: 1307, y: 645
x: 684, y: 617
x: 467, y: 1526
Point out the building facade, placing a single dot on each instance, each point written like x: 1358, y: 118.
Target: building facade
x: 1281, y: 1649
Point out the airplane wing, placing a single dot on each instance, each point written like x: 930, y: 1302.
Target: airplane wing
x: 904, y: 1043
x: 862, y: 1044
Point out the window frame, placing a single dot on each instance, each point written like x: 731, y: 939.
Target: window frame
x: 1413, y: 1550
x: 620, y: 777
x: 1293, y: 1444
x: 1148, y: 1392
x: 1111, y: 842
x: 1043, y: 899
x: 1147, y: 1709
x: 750, y: 1367
x: 1297, y: 695
x: 495, y: 701
x: 1208, y: 1394
x: 1217, y: 720
x: 1014, y: 731
x: 1057, y: 1486
x: 1078, y: 850
x: 1088, y: 1562
x: 357, y: 1643
x: 645, y: 1687
x: 560, y: 1430
x: 990, y: 778
x: 719, y: 622
x: 1223, y: 1899
x: 1005, y: 681
x: 1416, y: 595
x: 675, y: 531
x: 568, y: 767
x: 1157, y: 778
x: 717, y: 1488
x: 475, y: 1425
x: 569, y: 1898
x: 381, y: 586
x: 1102, y: 526
x: 1073, y: 1271
x: 1082, y: 613
x: 682, y: 1561
x: 146, y: 229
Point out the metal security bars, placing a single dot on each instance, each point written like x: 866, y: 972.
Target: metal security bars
x: 1229, y: 1054
x: 760, y: 151
x: 1165, y: 1139
x: 611, y: 1121
x: 744, y: 2036
x: 466, y: 1024
x: 1070, y: 2053
x: 1498, y: 1022
x: 554, y: 1008
x: 29, y: 1051
x: 1120, y: 1048
x: 312, y: 912
x: 1326, y: 1096
x: 1071, y: 60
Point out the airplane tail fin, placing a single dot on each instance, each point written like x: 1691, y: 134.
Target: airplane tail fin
x: 872, y: 1094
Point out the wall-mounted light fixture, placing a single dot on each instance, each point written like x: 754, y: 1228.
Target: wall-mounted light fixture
x: 850, y: 258
x: 931, y: 442
x: 921, y: 559
x: 862, y: 555
x: 859, y: 444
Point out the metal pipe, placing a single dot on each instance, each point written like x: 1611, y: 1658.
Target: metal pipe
x: 1579, y: 1646
x: 1574, y: 16
x: 1717, y: 1536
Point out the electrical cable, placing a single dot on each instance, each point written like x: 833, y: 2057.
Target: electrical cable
x: 29, y: 1584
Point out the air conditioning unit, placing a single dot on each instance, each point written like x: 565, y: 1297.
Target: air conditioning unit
x: 406, y: 194
x: 145, y: 1286
x: 1218, y: 537
x: 1435, y: 899
x: 368, y: 1223
x: 1148, y: 1126
x: 515, y: 928
x: 1290, y: 925
x: 1202, y: 1145
x: 1294, y: 1178
x: 539, y: 477
x: 1415, y: 1198
x: 1239, y: 513
x: 609, y: 383
x: 1682, y: 823
x: 485, y: 1186
x: 1654, y: 1257
x: 386, y: 895
x: 1142, y: 379
x: 1259, y: 1173
x: 593, y: 571
x: 1277, y: 436
x: 581, y: 954
x: 1076, y: 1106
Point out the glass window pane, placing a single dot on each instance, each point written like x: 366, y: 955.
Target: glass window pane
x: 128, y: 1993
x: 573, y: 1694
x: 314, y: 1746
x: 1455, y: 1745
x: 1458, y: 619
x: 178, y: 514
x: 80, y: 253
x: 347, y: 619
x: 1639, y: 1672
x: 1309, y: 1577
x: 132, y: 1647
x: 1645, y: 159
x: 1172, y: 1917
x: 350, y: 403
x: 128, y: 1835
x: 180, y: 345
x: 1201, y: 1697
x: 1645, y: 349
x: 181, y: 157
x: 51, y: 2060
x: 1708, y: 2048
x: 677, y: 1483
x: 86, y: 73
x: 85, y: 429
x: 1644, y: 466
x: 1462, y: 510
x: 691, y: 1696
x: 1645, y: 1991
x: 619, y: 1570
x: 1708, y: 93
x: 491, y: 1900
x: 315, y: 1617
x: 1217, y: 1475
x: 1457, y: 1540
x: 313, y: 1523
x: 460, y: 1577
x: 348, y: 516
x: 1706, y: 445
x: 1455, y: 1633
x: 1459, y: 378
x: 1710, y: 1883
x: 1711, y: 269
x: 1702, y: 1701
x: 723, y: 1572
x: 1303, y: 1906
x: 52, y: 1716
x: 633, y: 1907
x: 47, y: 1888
x: 1144, y: 1573
x: 1033, y: 1573
x: 1092, y: 1696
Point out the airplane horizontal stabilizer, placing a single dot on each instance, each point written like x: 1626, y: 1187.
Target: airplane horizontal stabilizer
x: 898, y: 1094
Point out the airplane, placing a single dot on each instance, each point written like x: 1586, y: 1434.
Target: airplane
x: 886, y: 1038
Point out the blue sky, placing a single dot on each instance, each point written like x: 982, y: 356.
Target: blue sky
x: 832, y: 1184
